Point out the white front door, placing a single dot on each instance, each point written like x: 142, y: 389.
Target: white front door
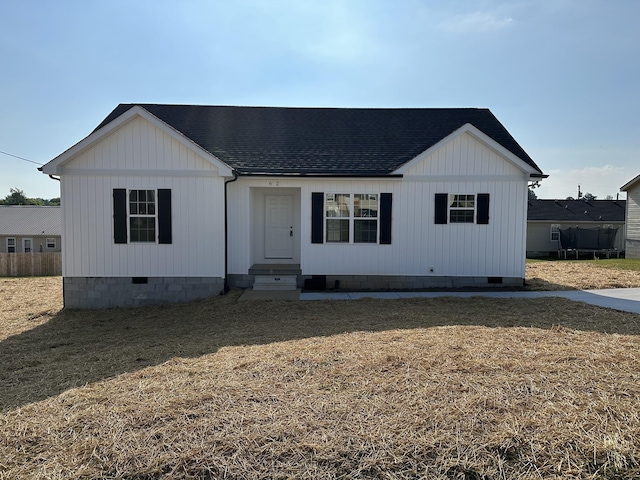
x: 278, y: 233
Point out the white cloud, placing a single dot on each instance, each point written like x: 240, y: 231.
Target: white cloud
x: 478, y: 22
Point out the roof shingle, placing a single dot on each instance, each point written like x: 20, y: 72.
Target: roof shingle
x: 576, y: 210
x: 35, y: 220
x: 338, y: 141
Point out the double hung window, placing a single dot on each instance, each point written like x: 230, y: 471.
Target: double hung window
x: 351, y: 218
x: 142, y: 215
x: 555, y: 232
x: 11, y: 245
x: 462, y: 208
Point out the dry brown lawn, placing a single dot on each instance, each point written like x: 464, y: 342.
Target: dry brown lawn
x: 581, y: 275
x: 420, y: 388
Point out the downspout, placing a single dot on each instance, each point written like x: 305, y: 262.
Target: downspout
x: 226, y: 234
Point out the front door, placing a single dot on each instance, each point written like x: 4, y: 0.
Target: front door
x: 278, y: 226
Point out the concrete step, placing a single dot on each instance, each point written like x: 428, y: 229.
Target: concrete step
x: 275, y: 282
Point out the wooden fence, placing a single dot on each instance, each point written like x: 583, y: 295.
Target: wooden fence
x: 30, y: 264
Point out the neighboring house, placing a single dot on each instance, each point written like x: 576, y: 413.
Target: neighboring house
x: 173, y: 202
x: 632, y: 244
x: 546, y: 217
x: 30, y: 228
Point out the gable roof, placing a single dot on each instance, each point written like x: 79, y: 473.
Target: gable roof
x: 630, y: 184
x: 321, y: 141
x: 569, y: 211
x: 30, y: 220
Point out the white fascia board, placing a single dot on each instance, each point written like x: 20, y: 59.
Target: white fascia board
x: 627, y: 186
x: 479, y: 135
x: 55, y: 166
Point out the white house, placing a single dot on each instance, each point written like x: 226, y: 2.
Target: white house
x: 632, y: 244
x: 166, y: 203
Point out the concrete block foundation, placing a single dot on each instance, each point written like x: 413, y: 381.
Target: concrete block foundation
x: 109, y: 292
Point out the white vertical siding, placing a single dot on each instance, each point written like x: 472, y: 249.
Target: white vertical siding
x: 155, y: 161
x: 497, y: 249
x: 632, y: 246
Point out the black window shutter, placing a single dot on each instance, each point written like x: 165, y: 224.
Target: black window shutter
x: 164, y: 215
x: 385, y: 218
x: 119, y: 215
x: 482, y: 217
x: 317, y: 220
x: 441, y: 208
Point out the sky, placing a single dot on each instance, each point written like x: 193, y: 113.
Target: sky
x: 561, y: 75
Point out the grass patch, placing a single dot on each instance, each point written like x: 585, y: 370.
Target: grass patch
x: 618, y: 263
x: 417, y: 388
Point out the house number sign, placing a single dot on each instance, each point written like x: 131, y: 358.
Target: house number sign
x: 274, y: 183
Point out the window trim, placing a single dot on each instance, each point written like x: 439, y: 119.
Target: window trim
x: 462, y: 209
x: 14, y: 245
x: 352, y: 219
x: 51, y: 243
x: 556, y: 232
x: 131, y: 216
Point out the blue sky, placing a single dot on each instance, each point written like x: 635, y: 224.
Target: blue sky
x: 561, y: 75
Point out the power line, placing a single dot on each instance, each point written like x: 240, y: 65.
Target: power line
x: 20, y: 158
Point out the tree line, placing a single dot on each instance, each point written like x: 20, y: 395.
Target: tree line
x: 18, y: 197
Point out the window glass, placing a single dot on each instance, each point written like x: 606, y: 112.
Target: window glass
x: 142, y: 211
x: 338, y: 204
x: 555, y: 234
x: 351, y: 217
x: 365, y: 205
x: 51, y: 243
x: 11, y: 245
x: 461, y: 208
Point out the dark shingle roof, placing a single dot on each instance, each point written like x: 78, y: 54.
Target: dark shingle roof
x: 339, y: 141
x: 577, y: 210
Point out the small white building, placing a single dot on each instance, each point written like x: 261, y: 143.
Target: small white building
x: 632, y: 244
x: 166, y: 203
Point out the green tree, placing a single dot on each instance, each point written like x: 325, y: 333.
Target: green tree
x: 15, y: 197
x: 18, y: 197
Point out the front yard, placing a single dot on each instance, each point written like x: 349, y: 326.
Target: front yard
x: 421, y: 388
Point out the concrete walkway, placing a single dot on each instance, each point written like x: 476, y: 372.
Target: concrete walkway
x: 624, y: 299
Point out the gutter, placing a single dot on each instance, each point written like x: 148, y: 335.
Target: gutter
x: 50, y: 176
x: 226, y: 233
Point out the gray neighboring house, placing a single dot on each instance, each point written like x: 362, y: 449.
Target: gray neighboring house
x: 546, y: 217
x: 632, y: 243
x: 30, y: 228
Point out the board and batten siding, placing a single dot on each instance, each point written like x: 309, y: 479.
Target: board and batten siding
x: 632, y: 247
x: 141, y: 156
x: 419, y: 246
